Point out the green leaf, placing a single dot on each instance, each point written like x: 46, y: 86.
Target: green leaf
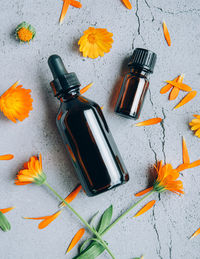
x: 105, y: 219
x: 4, y: 224
x: 91, y: 252
x: 93, y: 218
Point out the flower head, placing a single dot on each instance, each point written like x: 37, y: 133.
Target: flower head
x: 16, y: 103
x: 95, y: 42
x: 25, y: 32
x: 32, y: 172
x: 195, y: 125
x: 166, y: 179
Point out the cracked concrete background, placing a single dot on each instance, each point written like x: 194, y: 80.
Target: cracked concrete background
x: 164, y: 231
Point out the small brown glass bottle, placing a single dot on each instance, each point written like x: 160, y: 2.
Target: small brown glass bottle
x: 85, y: 134
x: 135, y: 84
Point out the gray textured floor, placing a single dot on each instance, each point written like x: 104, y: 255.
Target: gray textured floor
x: 163, y: 232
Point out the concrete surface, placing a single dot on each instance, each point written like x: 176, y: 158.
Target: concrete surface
x: 163, y: 232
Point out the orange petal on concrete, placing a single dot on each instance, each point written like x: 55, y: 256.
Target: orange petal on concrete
x: 144, y: 191
x: 149, y: 122
x: 196, y: 233
x: 76, y: 239
x: 181, y: 86
x: 65, y: 7
x: 48, y: 220
x: 127, y: 4
x: 186, y: 158
x: 6, y: 210
x: 86, y: 88
x: 166, y: 34
x: 72, y: 195
x: 186, y: 99
x: 6, y: 157
x: 147, y: 207
x: 75, y: 3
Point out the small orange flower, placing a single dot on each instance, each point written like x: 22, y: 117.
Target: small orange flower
x: 32, y: 172
x: 95, y: 42
x: 16, y: 103
x: 46, y: 220
x: 6, y: 157
x: 195, y: 125
x: 166, y: 180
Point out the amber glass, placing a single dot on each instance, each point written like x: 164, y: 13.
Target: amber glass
x: 90, y: 144
x: 132, y: 94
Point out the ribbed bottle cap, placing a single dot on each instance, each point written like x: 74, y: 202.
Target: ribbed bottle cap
x: 143, y: 59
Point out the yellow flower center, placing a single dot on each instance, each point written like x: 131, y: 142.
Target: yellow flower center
x: 92, y: 38
x: 25, y: 35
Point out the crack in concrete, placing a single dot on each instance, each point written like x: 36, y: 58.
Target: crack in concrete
x: 152, y: 15
x: 155, y: 154
x: 157, y: 235
x: 163, y: 133
x: 139, y: 23
x: 176, y: 13
x: 170, y: 245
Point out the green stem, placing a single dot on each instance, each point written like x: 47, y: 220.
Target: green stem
x: 126, y: 212
x: 82, y: 220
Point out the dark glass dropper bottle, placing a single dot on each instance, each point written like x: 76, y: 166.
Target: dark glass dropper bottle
x: 85, y: 134
x: 135, y: 84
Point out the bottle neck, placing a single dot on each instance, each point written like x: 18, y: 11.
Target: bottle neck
x: 140, y: 72
x: 68, y: 95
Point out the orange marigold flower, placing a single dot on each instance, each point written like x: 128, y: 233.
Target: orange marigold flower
x: 195, y: 125
x: 95, y: 42
x: 16, y: 103
x: 46, y: 220
x: 25, y: 32
x: 32, y: 172
x: 166, y: 180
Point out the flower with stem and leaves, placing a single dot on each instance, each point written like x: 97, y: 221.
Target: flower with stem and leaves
x: 166, y: 180
x: 33, y: 173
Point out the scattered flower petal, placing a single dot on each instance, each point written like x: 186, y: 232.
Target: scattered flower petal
x: 76, y: 239
x: 186, y: 99
x: 25, y: 32
x: 196, y: 233
x: 127, y: 4
x: 166, y: 88
x: 66, y: 4
x: 86, y: 88
x: 72, y: 195
x: 95, y: 42
x: 6, y: 210
x: 186, y: 158
x: 32, y: 172
x: 65, y: 7
x: 149, y: 122
x: 75, y: 3
x: 175, y: 90
x: 144, y: 191
x: 46, y: 220
x: 181, y: 86
x: 16, y: 103
x: 166, y: 34
x: 6, y: 157
x: 147, y: 207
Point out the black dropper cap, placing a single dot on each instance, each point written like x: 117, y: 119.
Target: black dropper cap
x: 63, y: 81
x: 143, y: 59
